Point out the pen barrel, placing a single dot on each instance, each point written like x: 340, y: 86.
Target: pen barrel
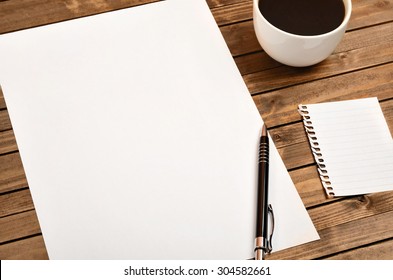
x: 263, y: 191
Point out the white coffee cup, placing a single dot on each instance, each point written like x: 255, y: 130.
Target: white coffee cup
x: 297, y: 50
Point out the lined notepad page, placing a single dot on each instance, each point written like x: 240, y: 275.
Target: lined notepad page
x: 352, y: 146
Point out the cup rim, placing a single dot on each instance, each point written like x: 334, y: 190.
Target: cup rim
x: 348, y: 11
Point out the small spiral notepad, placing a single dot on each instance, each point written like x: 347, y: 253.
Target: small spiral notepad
x: 351, y: 144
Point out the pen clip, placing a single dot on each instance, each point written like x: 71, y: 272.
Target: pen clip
x: 269, y: 241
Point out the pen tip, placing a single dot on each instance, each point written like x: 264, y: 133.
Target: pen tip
x: 264, y: 130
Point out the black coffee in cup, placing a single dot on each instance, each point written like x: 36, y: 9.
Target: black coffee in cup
x: 303, y: 17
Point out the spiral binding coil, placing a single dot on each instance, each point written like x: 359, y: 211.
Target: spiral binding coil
x: 316, y: 150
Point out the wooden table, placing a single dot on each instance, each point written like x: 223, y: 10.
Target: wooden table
x: 358, y: 227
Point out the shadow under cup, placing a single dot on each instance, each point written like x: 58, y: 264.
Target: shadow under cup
x: 297, y: 50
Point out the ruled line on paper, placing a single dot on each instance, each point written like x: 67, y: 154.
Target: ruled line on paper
x: 355, y: 143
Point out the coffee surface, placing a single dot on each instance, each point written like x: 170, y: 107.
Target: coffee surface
x: 304, y: 17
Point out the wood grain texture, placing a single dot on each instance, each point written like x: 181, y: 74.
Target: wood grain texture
x: 374, y: 35
x: 2, y: 101
x: 343, y: 237
x: 364, y: 12
x: 27, y: 249
x: 380, y: 251
x: 5, y: 122
x: 290, y: 134
x: 219, y: 3
x: 339, y: 63
x: 370, y: 12
x: 17, y: 15
x: 238, y: 12
x: 351, y: 209
x: 12, y: 175
x: 241, y: 38
x: 309, y: 186
x: 280, y: 106
x: 15, y: 202
x: 7, y: 142
x: 19, y: 226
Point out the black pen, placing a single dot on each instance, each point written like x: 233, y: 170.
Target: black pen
x: 263, y: 243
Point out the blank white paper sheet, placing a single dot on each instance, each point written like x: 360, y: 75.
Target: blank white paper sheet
x: 139, y: 138
x: 352, y: 146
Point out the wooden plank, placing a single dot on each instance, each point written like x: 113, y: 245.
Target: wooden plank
x: 27, y: 249
x: 387, y: 109
x: 280, y: 107
x: 15, y: 202
x: 375, y: 35
x: 231, y: 14
x: 379, y: 251
x: 17, y: 15
x: 288, y: 135
x: 7, y: 142
x: 255, y: 62
x: 2, y: 101
x: 12, y: 175
x: 364, y: 12
x: 346, y: 236
x: 241, y: 37
x: 19, y: 226
x: 309, y: 186
x: 297, y: 155
x: 220, y: 3
x: 5, y: 122
x: 338, y: 63
x: 365, y: 37
x: 351, y: 209
x: 370, y: 12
